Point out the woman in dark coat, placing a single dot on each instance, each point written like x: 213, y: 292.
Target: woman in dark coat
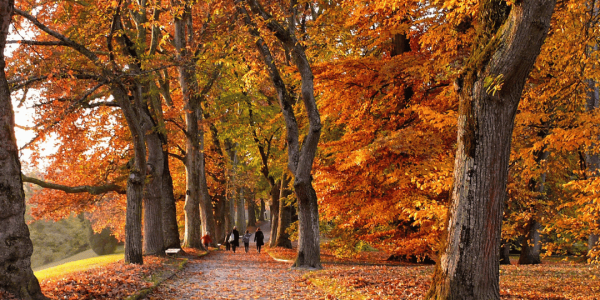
x: 259, y: 238
x: 236, y: 239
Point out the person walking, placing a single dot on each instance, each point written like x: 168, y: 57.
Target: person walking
x: 236, y: 239
x: 206, y: 240
x: 226, y: 242
x: 246, y: 240
x: 259, y: 238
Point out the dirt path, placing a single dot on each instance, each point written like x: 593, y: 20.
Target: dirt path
x: 227, y: 275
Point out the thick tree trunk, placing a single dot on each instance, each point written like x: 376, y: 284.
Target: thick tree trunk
x: 532, y: 245
x: 261, y: 215
x: 274, y: 209
x: 16, y: 275
x: 592, y: 160
x: 170, y: 227
x: 206, y: 207
x: 505, y: 253
x: 507, y: 46
x: 192, y: 160
x: 153, y: 198
x: 285, y: 215
x: 251, y: 212
x: 221, y: 212
x: 532, y: 242
x: 137, y: 176
x: 220, y: 197
x: 300, y: 160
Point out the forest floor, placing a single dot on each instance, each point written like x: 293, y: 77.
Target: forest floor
x: 223, y: 274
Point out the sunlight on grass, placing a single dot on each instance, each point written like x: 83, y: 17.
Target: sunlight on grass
x: 79, y: 265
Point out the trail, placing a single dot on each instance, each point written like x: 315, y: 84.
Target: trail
x: 227, y: 275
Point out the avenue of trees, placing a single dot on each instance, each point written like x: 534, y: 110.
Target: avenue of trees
x: 448, y: 130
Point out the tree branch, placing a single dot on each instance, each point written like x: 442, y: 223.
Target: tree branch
x: 37, y: 43
x: 68, y: 42
x: 93, y: 190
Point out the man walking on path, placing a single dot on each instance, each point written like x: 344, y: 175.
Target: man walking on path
x: 259, y: 238
x: 236, y: 239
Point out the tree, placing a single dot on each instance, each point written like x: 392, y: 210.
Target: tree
x: 469, y: 264
x: 16, y: 274
x: 300, y: 157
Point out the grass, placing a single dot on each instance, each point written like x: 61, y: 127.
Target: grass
x: 79, y: 265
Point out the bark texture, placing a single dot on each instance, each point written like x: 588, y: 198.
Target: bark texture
x: 532, y: 241
x: 193, y: 234
x: 170, y: 227
x: 274, y: 209
x: 261, y: 215
x: 251, y: 213
x: 592, y: 160
x: 16, y: 275
x: 505, y: 253
x: 532, y: 245
x: 300, y: 157
x: 153, y: 198
x: 507, y: 43
x: 285, y: 215
x: 240, y: 214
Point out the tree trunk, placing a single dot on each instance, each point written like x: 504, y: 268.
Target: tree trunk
x: 192, y: 236
x: 532, y: 242
x: 232, y: 185
x: 300, y: 160
x: 170, y: 227
x: 505, y: 253
x: 532, y: 245
x: 261, y: 215
x: 221, y: 212
x: 240, y: 220
x: 592, y: 160
x: 153, y: 198
x: 16, y: 275
x: 251, y: 212
x: 206, y: 207
x: 137, y: 176
x: 285, y: 215
x: 506, y: 47
x: 274, y: 209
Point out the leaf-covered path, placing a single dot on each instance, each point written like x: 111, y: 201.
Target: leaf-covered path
x: 226, y: 275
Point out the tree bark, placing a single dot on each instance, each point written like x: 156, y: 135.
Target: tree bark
x: 261, y: 215
x: 532, y: 245
x: 192, y: 235
x: 251, y: 212
x: 170, y: 227
x: 285, y: 215
x: 16, y: 275
x: 505, y: 253
x: 153, y: 198
x: 136, y: 180
x: 300, y: 159
x: 274, y: 209
x: 592, y: 160
x: 506, y: 46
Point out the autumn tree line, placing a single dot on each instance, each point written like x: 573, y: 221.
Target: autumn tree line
x: 444, y: 129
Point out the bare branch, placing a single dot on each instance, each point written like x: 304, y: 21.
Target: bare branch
x: 93, y: 190
x: 37, y: 43
x: 68, y: 42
